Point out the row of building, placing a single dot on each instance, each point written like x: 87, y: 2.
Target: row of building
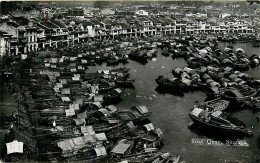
x: 20, y: 35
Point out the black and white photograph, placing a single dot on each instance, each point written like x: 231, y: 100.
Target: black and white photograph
x: 117, y: 81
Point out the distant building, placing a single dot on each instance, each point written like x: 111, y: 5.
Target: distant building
x: 142, y: 12
x: 76, y: 12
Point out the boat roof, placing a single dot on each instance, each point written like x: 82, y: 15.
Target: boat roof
x: 142, y: 109
x: 216, y: 113
x: 100, y: 151
x: 87, y: 130
x: 149, y: 127
x: 196, y: 111
x: 79, y: 121
x: 101, y: 136
x: 120, y: 148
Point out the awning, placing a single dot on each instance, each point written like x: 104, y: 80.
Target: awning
x: 63, y: 81
x: 101, y: 136
x: 105, y: 112
x: 216, y: 113
x: 64, y: 145
x: 104, y: 72
x: 120, y: 148
x: 158, y: 132
x: 130, y: 125
x: 79, y: 143
x: 142, y: 109
x: 14, y: 147
x: 118, y: 90
x: 149, y: 127
x: 87, y: 130
x: 196, y: 112
x: 98, y: 98
x: 65, y: 91
x: 112, y: 108
x: 94, y: 89
x: 100, y: 151
x: 65, y: 99
x: 78, y: 101
x: 79, y: 121
x: 82, y: 115
x: 88, y: 139
x: 69, y: 112
x: 74, y: 106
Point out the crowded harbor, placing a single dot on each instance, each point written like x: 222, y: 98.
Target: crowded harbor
x: 128, y: 87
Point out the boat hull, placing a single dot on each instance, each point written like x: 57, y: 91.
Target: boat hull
x: 218, y: 128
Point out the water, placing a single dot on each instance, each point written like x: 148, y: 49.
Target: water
x: 170, y: 113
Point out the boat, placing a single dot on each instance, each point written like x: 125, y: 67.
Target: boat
x: 136, y: 113
x: 216, y: 104
x: 167, y: 84
x: 121, y: 69
x: 219, y: 120
x: 138, y: 58
x: 125, y: 82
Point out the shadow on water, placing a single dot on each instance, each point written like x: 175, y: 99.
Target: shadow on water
x: 161, y: 90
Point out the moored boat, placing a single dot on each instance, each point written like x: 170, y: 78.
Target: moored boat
x: 220, y: 121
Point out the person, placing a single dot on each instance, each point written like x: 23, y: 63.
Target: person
x: 54, y: 124
x: 11, y: 127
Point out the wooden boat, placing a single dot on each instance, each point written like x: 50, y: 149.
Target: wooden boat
x: 125, y: 82
x: 168, y: 84
x: 216, y: 104
x: 136, y: 113
x: 237, y: 95
x: 220, y: 121
x: 121, y: 69
x: 138, y: 58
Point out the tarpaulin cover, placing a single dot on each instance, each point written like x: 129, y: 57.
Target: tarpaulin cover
x: 103, y: 71
x: 74, y: 106
x: 24, y: 56
x: 158, y: 132
x: 63, y: 81
x: 120, y: 148
x: 78, y: 142
x: 14, y: 147
x: 216, y: 113
x: 64, y: 145
x: 105, y: 112
x: 87, y: 130
x: 79, y: 121
x: 76, y: 78
x: 94, y: 89
x: 149, y: 127
x: 98, y: 98
x: 130, y: 125
x: 112, y: 108
x: 101, y: 136
x: 67, y: 99
x: 82, y: 115
x: 196, y: 112
x: 101, y: 151
x: 78, y: 101
x: 118, y: 90
x: 70, y: 112
x: 59, y: 85
x: 88, y: 139
x: 142, y: 109
x: 65, y: 91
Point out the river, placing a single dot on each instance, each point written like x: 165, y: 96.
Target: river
x: 170, y: 113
